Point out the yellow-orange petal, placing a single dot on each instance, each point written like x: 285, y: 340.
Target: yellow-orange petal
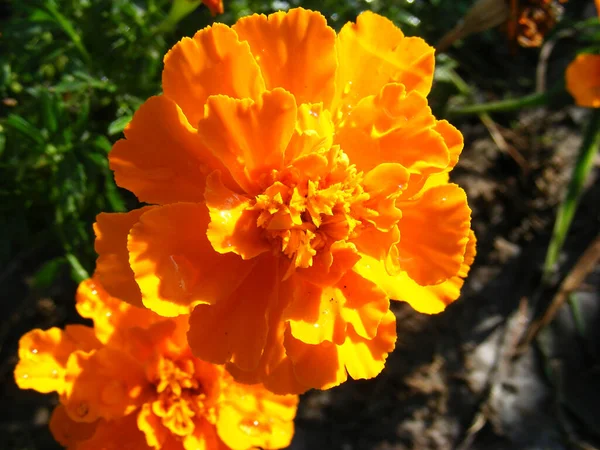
x: 365, y: 358
x: 295, y: 51
x: 66, y: 431
x: 365, y: 306
x: 213, y: 62
x: 43, y: 356
x: 583, y: 80
x: 453, y: 139
x: 249, y: 137
x: 112, y: 266
x: 150, y: 424
x: 434, y: 231
x: 394, y: 126
x: 119, y: 434
x: 424, y: 299
x: 275, y: 369
x: 314, y: 131
x: 162, y: 159
x: 109, y: 314
x: 329, y: 267
x: 232, y: 227
x: 314, y: 315
x: 174, y: 263
x: 374, y: 52
x: 235, y: 328
x: 251, y: 416
x: 317, y: 366
x: 106, y: 383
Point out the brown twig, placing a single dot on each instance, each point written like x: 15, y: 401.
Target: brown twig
x: 572, y: 281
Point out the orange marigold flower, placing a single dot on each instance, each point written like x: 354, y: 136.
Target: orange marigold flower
x: 583, y: 80
x: 298, y: 181
x: 131, y: 381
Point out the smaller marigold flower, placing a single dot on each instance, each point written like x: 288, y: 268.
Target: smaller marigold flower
x: 583, y: 80
x: 131, y: 382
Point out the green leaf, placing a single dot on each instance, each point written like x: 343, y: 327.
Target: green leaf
x: 118, y: 125
x: 48, y: 273
x: 78, y: 273
x: 21, y: 125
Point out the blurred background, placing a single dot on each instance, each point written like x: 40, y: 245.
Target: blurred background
x: 72, y: 73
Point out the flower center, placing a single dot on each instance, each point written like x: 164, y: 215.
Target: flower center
x: 308, y: 208
x: 180, y: 396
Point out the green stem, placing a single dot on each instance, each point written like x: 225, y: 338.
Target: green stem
x: 179, y: 10
x: 512, y: 104
x: 566, y: 210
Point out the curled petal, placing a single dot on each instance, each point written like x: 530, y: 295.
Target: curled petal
x: 112, y: 266
x: 365, y: 306
x: 118, y: 434
x: 365, y: 358
x: 250, y: 416
x: 453, y: 139
x: 43, y: 356
x: 424, y: 299
x: 315, y: 314
x: 306, y: 357
x: 295, y: 51
x: 213, y: 62
x: 314, y: 132
x: 235, y: 328
x: 98, y: 387
x: 374, y: 52
x: 232, y: 226
x: 174, y: 263
x: 108, y: 313
x: 162, y: 159
x: 249, y: 137
x: 434, y: 233
x: 394, y: 127
x: 68, y: 432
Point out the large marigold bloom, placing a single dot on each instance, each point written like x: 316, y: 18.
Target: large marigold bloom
x: 297, y: 180
x: 131, y: 382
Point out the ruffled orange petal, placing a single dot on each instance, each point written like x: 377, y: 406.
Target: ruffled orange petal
x: 67, y: 432
x: 175, y: 265
x: 232, y: 227
x: 424, y: 299
x: 150, y: 424
x: 162, y: 159
x: 583, y: 80
x: 295, y: 50
x: 250, y: 416
x: 112, y: 266
x: 275, y: 369
x: 314, y: 131
x: 43, y: 356
x: 374, y: 52
x: 235, y: 328
x: 365, y: 358
x: 204, y: 437
x: 249, y: 137
x: 453, y: 139
x: 394, y: 127
x: 434, y: 233
x: 365, y: 306
x: 109, y: 314
x: 315, y: 314
x: 213, y: 62
x: 318, y: 366
x: 99, y: 387
x: 119, y: 434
